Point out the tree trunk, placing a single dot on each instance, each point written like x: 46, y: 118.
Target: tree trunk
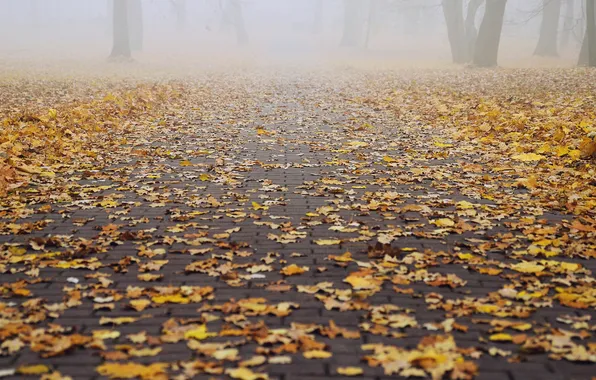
x: 372, y: 10
x: 453, y: 12
x: 121, y: 45
x: 237, y: 16
x: 549, y: 29
x: 587, y: 56
x: 471, y: 31
x: 568, y: 23
x: 486, y: 51
x: 135, y: 23
x: 352, y: 23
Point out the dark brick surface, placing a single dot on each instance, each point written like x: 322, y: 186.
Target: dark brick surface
x: 298, y: 126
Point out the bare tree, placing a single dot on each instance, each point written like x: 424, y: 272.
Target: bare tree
x: 135, y: 23
x: 471, y: 31
x: 568, y: 23
x: 486, y: 51
x: 549, y: 29
x: 587, y: 56
x: 456, y: 31
x: 121, y: 41
x: 238, y: 20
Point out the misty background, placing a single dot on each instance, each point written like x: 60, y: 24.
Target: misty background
x: 276, y: 31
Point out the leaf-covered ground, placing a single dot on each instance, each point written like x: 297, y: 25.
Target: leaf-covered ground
x: 299, y: 225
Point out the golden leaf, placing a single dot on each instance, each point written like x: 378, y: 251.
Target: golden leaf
x: 200, y: 333
x: 349, y: 371
x: 293, y: 269
x: 132, y: 370
x: 317, y: 354
x: 245, y: 374
x: 37, y: 369
x: 528, y: 157
x: 327, y: 241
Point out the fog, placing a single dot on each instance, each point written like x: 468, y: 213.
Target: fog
x: 296, y: 32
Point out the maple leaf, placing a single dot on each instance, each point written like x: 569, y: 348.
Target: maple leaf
x: 528, y: 267
x: 528, y: 157
x: 292, y: 270
x: 245, y: 374
x: 328, y: 241
x: 317, y: 354
x: 132, y: 370
x: 349, y: 371
x: 199, y: 333
x: 37, y: 369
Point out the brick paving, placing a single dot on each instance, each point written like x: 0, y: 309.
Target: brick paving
x: 292, y: 146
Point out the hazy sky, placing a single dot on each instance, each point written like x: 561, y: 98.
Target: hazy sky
x: 83, y: 27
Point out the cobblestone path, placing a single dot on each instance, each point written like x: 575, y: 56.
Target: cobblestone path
x: 290, y: 227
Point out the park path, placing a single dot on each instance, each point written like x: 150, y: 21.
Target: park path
x: 288, y: 226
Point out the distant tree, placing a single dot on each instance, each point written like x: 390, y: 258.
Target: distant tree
x: 486, y: 50
x: 238, y: 21
x: 456, y: 30
x: 549, y: 29
x: 471, y: 31
x: 568, y: 23
x: 121, y: 37
x: 587, y: 56
x: 135, y: 24
x: 353, y: 23
x: 462, y: 32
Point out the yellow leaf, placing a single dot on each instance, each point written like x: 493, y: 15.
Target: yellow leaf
x: 317, y: 354
x: 226, y: 354
x: 389, y: 159
x: 293, y: 269
x: 464, y: 205
x: 362, y: 283
x: 132, y: 370
x: 528, y: 267
x: 105, y: 334
x: 442, y: 145
x: 37, y: 369
x: 254, y: 361
x: 148, y: 277
x: 185, y: 163
x: 443, y: 222
x: 349, y: 371
x: 116, y: 321
x: 245, y: 374
x: 575, y: 154
x: 205, y: 177
x: 327, y: 241
x: 139, y: 305
x: 562, y: 151
x: 501, y: 337
x: 528, y: 157
x: 200, y: 333
x: 144, y: 352
x: 172, y: 298
x: 487, y: 309
x: 48, y: 174
x: 257, y: 206
x: 522, y: 327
